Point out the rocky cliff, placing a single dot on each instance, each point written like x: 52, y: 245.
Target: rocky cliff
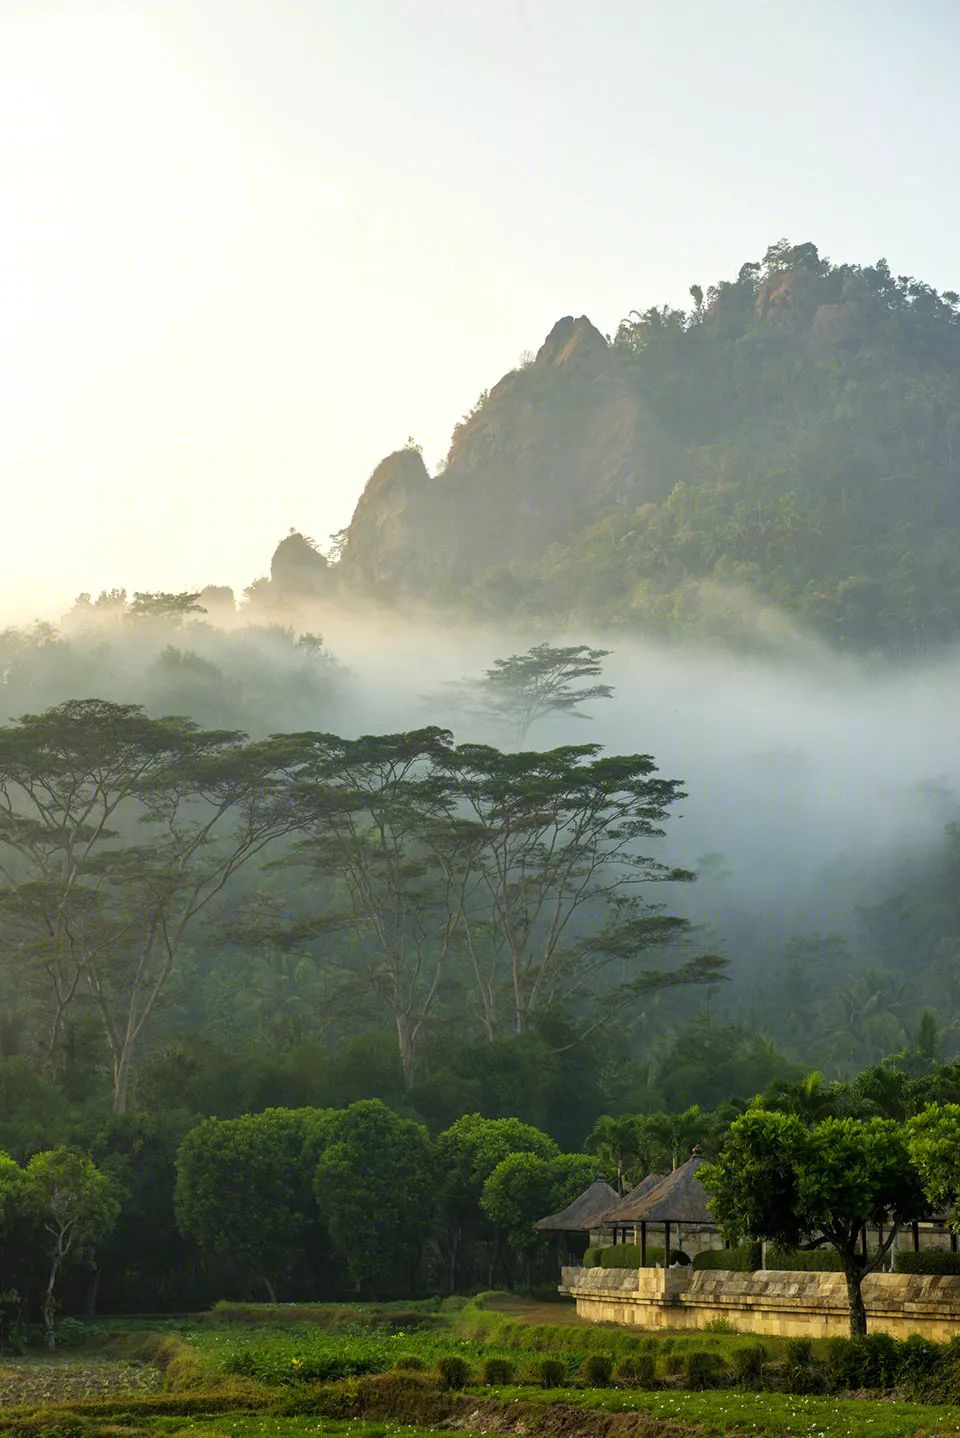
x: 547, y: 448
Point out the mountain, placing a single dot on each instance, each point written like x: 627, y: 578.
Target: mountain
x: 790, y: 445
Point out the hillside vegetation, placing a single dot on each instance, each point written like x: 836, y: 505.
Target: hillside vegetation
x: 788, y: 444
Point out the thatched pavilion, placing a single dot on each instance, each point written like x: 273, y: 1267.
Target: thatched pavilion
x: 584, y: 1214
x: 621, y: 1215
x: 678, y: 1199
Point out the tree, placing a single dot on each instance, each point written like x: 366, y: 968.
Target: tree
x: 244, y: 1187
x: 369, y: 804
x: 76, y: 1206
x: 622, y: 1144
x: 520, y: 690
x: 173, y: 607
x: 933, y: 1138
x: 468, y: 1152
x: 548, y: 847
x: 778, y: 1180
x: 116, y: 832
x: 375, y: 1185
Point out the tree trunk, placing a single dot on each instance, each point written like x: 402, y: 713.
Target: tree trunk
x: 268, y: 1285
x: 92, y: 1290
x: 47, y: 1305
x: 122, y: 1065
x: 858, y: 1312
x: 407, y: 1050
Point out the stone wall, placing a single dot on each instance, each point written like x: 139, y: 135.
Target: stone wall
x: 790, y: 1305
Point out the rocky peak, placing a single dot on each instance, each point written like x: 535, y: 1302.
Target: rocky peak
x: 572, y: 342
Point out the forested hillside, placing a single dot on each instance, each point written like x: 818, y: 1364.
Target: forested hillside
x: 791, y: 443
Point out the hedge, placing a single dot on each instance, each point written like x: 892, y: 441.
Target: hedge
x: 742, y: 1259
x: 627, y: 1255
x: 933, y: 1261
x: 803, y: 1260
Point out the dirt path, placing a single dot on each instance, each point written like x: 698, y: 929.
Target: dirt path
x: 530, y: 1310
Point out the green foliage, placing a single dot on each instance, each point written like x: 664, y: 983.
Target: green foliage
x: 927, y: 1261
x: 627, y: 1255
x: 378, y: 1168
x: 934, y: 1140
x: 454, y: 1372
x: 597, y: 1370
x: 748, y: 1365
x: 409, y: 1363
x: 799, y: 1352
x: 866, y: 1361
x: 497, y: 1372
x: 742, y: 1258
x: 803, y: 1260
x: 592, y: 1256
x: 636, y: 1372
x: 551, y: 1373
x: 703, y: 1369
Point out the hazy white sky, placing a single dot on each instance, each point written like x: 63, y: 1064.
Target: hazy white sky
x: 248, y: 246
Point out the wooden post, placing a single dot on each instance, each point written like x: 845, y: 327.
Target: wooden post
x: 863, y: 1243
x: 915, y: 1229
x: 643, y: 1245
x: 666, y: 1244
x: 953, y: 1240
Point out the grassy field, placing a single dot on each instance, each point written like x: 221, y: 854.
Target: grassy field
x: 299, y: 1372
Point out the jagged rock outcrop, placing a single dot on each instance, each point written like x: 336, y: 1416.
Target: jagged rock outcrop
x: 549, y: 446
x: 298, y: 569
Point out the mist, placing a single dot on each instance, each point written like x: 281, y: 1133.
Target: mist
x: 816, y: 787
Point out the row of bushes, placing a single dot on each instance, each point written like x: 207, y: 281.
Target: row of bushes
x: 629, y: 1255
x: 933, y: 1261
x: 744, y: 1258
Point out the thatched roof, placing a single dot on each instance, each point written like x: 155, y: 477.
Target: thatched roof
x: 622, y: 1212
x: 584, y: 1213
x: 680, y: 1198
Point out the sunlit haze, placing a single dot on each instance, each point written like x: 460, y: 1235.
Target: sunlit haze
x: 248, y: 248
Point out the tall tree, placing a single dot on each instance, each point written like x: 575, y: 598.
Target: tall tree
x: 116, y: 832
x: 552, y: 847
x: 518, y: 691
x: 368, y: 805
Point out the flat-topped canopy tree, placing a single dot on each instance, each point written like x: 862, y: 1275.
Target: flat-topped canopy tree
x: 554, y: 849
x: 518, y: 691
x: 778, y: 1180
x: 116, y: 832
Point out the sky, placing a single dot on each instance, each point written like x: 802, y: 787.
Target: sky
x: 249, y: 247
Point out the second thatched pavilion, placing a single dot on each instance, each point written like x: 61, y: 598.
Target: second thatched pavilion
x: 672, y: 1205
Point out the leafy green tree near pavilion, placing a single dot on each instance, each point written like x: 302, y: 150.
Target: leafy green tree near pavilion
x: 777, y: 1180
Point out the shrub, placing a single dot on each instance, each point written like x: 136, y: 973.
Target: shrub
x: 597, y: 1370
x: 703, y: 1369
x: 407, y: 1398
x: 748, y: 1365
x: 628, y: 1255
x: 933, y: 1261
x: 803, y: 1260
x: 497, y: 1372
x: 636, y: 1372
x: 454, y: 1371
x: 673, y: 1363
x: 864, y: 1362
x: 591, y: 1258
x: 719, y: 1325
x: 409, y: 1362
x: 677, y: 1255
x: 799, y: 1352
x: 917, y: 1359
x: 744, y: 1258
x: 551, y: 1373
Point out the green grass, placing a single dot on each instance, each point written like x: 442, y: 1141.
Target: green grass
x: 728, y: 1411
